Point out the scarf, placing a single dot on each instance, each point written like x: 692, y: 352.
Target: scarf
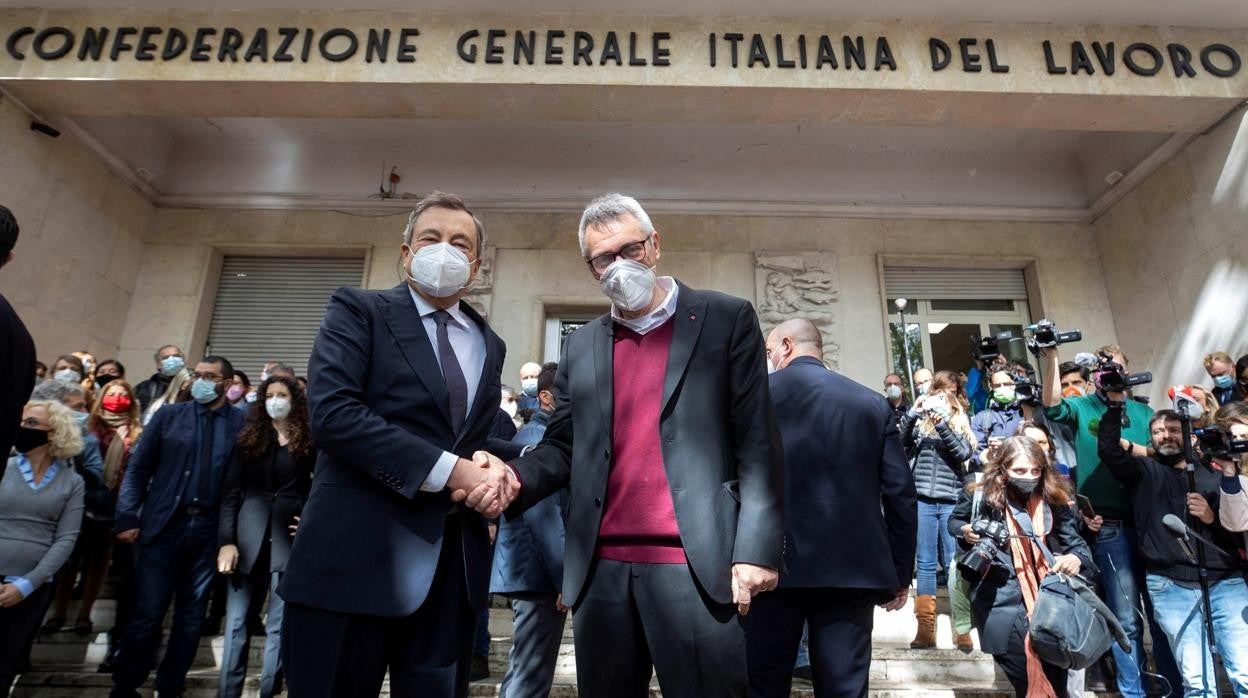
x: 115, y: 455
x: 1030, y: 566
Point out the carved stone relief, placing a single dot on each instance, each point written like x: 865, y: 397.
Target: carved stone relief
x: 802, y: 284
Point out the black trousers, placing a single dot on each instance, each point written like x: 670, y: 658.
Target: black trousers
x: 339, y: 655
x: 1014, y: 664
x: 634, y: 616
x: 18, y: 626
x: 840, y: 640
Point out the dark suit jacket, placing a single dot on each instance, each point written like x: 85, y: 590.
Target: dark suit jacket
x: 851, y: 516
x: 721, y: 446
x: 369, y: 539
x: 259, y: 501
x: 17, y: 373
x: 157, y: 473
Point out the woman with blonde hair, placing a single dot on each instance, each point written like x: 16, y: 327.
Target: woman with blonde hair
x: 115, y: 422
x: 175, y: 393
x: 937, y: 437
x: 1233, y: 495
x: 40, y: 515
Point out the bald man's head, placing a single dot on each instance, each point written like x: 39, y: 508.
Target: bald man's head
x: 794, y: 338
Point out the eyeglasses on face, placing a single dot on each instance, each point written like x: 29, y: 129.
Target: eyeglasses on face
x: 635, y: 251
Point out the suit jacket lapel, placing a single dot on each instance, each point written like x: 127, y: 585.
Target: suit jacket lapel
x: 401, y: 316
x: 493, y: 357
x: 690, y: 314
x: 604, y: 369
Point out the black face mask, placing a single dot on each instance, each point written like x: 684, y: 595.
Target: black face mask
x: 105, y: 378
x: 1024, y: 486
x: 29, y: 439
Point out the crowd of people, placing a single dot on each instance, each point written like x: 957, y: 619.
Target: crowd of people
x: 1108, y: 469
x: 727, y: 505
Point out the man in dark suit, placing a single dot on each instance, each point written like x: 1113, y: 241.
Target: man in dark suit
x: 675, y: 516
x: 386, y: 568
x: 851, y: 522
x: 168, y: 503
x: 17, y: 349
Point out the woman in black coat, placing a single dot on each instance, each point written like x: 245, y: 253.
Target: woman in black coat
x: 266, y: 484
x: 1018, y: 482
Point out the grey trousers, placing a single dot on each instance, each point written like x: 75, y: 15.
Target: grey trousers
x: 634, y: 616
x: 537, y: 632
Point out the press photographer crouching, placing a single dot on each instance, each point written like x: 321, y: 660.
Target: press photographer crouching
x: 1004, y: 561
x: 1162, y: 487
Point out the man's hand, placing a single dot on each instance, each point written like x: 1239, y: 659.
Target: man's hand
x: 129, y: 536
x: 485, y: 484
x: 10, y: 596
x: 750, y: 580
x: 1094, y: 524
x: 1198, y: 507
x: 559, y: 604
x: 294, y: 526
x: 1115, y: 396
x: 1066, y: 564
x: 898, y: 601
x: 227, y: 559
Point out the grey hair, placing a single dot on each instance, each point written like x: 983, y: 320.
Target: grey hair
x: 441, y: 199
x: 56, y: 391
x: 608, y: 208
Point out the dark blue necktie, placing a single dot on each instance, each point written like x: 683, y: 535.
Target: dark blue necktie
x: 456, y: 386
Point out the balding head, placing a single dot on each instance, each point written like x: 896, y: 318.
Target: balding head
x: 794, y: 338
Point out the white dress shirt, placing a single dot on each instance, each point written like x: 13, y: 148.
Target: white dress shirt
x: 468, y: 341
x: 655, y: 318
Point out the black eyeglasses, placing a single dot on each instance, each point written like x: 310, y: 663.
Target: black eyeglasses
x: 207, y: 376
x: 635, y: 251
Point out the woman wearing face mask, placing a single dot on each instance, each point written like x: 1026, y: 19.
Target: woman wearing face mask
x: 108, y: 371
x: 40, y: 515
x: 1024, y: 494
x: 266, y: 484
x: 68, y: 369
x: 112, y: 426
x: 938, y: 441
x: 236, y: 394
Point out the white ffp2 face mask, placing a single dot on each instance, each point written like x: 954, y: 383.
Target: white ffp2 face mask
x: 440, y: 270
x: 277, y: 407
x: 629, y: 285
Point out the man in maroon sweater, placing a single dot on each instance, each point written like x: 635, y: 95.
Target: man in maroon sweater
x: 675, y: 519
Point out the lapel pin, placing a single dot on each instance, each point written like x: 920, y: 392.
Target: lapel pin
x: 692, y: 316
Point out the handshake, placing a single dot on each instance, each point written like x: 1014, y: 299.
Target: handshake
x: 484, y: 483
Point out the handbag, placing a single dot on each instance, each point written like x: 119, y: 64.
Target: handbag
x: 1070, y: 626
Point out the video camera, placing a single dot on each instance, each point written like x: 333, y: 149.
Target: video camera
x: 986, y: 350
x: 1025, y: 390
x: 1044, y: 334
x: 1220, y: 443
x: 1112, y: 377
x: 981, y: 559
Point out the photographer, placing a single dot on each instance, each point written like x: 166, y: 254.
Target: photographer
x: 1004, y: 562
x: 1233, y: 495
x: 1003, y: 415
x: 1159, y: 486
x: 938, y: 440
x: 1122, y: 575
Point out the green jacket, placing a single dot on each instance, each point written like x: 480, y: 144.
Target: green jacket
x: 1083, y: 415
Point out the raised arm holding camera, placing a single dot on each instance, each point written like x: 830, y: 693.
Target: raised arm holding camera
x: 1160, y: 488
x: 1231, y: 456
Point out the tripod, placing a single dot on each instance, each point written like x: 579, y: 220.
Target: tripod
x: 1189, y: 456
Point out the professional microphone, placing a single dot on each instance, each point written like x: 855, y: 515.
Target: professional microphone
x: 1184, y: 400
x: 1178, y: 529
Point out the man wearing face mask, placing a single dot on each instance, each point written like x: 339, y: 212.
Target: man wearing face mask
x: 1221, y: 368
x: 169, y: 360
x: 1159, y: 486
x: 675, y: 518
x: 168, y: 503
x: 1002, y: 416
x: 388, y: 568
x: 896, y: 395
x: 528, y: 386
x: 922, y: 382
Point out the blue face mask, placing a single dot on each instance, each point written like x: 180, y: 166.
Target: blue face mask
x: 171, y: 365
x: 81, y: 418
x: 1223, y: 381
x: 204, y: 391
